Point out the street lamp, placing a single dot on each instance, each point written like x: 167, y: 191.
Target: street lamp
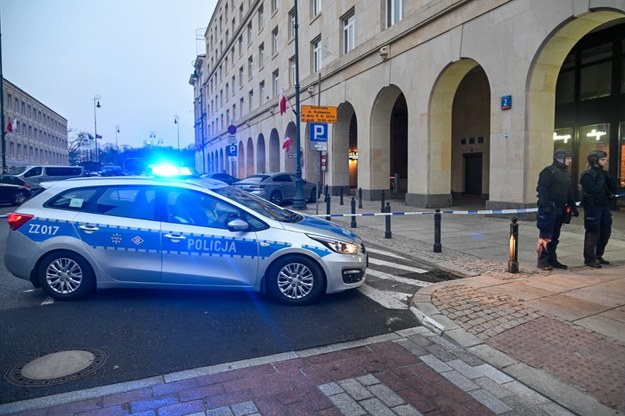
x: 299, y: 201
x: 116, y: 132
x: 96, y: 104
x: 177, y: 128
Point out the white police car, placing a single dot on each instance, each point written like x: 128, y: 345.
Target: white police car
x: 137, y: 232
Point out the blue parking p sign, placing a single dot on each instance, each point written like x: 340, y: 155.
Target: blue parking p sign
x: 318, y: 136
x: 231, y: 150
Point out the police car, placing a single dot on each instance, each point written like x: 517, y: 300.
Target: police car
x: 140, y: 232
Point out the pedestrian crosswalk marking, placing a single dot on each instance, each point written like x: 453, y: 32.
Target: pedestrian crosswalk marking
x: 385, y: 253
x: 390, y: 300
x: 406, y: 280
x: 379, y: 262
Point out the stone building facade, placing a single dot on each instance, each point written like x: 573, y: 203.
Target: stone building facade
x: 37, y: 136
x: 452, y: 97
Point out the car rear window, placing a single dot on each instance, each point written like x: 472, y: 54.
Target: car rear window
x: 63, y: 171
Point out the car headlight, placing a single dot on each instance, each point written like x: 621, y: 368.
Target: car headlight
x: 335, y: 245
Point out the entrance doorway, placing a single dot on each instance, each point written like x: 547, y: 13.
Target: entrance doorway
x: 472, y: 174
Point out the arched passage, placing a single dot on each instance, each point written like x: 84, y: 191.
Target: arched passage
x: 289, y: 148
x: 343, y: 157
x: 388, y: 152
x: 239, y: 171
x: 260, y: 154
x: 249, y: 151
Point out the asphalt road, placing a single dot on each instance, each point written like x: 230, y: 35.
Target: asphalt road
x: 144, y: 333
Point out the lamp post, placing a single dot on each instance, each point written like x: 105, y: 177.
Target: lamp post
x: 176, y: 118
x: 116, y: 132
x: 96, y: 104
x: 299, y: 201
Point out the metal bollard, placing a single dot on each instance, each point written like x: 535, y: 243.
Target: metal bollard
x: 341, y: 194
x: 360, y: 198
x: 437, y: 231
x: 513, y: 263
x: 353, y: 223
x: 325, y: 192
x: 328, y: 208
x: 382, y: 203
x: 387, y: 231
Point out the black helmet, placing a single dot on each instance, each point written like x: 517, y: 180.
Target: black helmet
x: 594, y: 156
x: 562, y: 154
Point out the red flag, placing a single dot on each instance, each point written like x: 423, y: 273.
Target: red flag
x: 283, y: 105
x: 10, y: 126
x: 287, y: 144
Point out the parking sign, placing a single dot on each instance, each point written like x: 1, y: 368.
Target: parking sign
x: 231, y: 150
x: 318, y: 136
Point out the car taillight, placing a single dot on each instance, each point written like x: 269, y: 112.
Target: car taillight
x: 15, y: 220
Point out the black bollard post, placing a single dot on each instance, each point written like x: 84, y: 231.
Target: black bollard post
x: 328, y: 208
x: 360, y: 198
x: 353, y: 223
x: 325, y: 192
x: 387, y: 231
x: 437, y: 231
x: 513, y: 263
x: 382, y: 203
x: 341, y: 199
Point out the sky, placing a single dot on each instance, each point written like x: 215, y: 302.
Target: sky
x: 137, y: 55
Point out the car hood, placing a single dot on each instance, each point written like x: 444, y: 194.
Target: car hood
x: 315, y: 225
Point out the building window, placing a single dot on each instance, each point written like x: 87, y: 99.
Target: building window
x: 240, y: 77
x: 233, y: 84
x: 227, y: 90
x: 315, y: 7
x: 316, y: 54
x: 249, y: 33
x: 250, y: 67
x: 261, y: 55
x: 349, y: 32
x: 394, y: 11
x: 250, y: 99
x: 274, y: 6
x: 292, y: 24
x: 274, y: 41
x: 261, y: 18
x: 241, y: 45
x: 596, y: 72
x: 241, y: 12
x: 275, y: 82
x: 261, y: 93
x: 292, y: 71
x: 234, y: 111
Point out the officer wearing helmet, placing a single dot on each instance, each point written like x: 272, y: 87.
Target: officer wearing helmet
x: 555, y: 195
x: 597, y: 187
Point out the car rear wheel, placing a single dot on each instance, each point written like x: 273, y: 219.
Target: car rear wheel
x: 276, y: 197
x: 295, y: 280
x: 66, y: 276
x: 313, y: 195
x: 20, y: 198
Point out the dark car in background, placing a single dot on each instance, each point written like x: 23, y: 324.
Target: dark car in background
x: 111, y: 170
x: 224, y: 177
x: 277, y: 187
x: 13, y: 190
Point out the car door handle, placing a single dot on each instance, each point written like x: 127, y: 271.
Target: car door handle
x: 175, y: 237
x: 89, y: 228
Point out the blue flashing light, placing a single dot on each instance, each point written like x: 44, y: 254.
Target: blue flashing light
x: 170, y: 170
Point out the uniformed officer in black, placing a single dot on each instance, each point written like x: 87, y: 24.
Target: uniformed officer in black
x: 597, y: 187
x: 555, y: 194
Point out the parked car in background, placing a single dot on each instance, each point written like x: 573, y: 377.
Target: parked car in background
x: 224, y: 177
x: 83, y: 234
x: 111, y: 170
x: 13, y: 190
x: 34, y: 175
x: 277, y: 187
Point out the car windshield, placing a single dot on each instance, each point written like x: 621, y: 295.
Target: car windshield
x: 18, y: 170
x: 257, y: 204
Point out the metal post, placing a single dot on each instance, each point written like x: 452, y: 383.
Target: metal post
x: 382, y: 203
x: 360, y: 198
x: 299, y: 201
x: 328, y: 207
x: 96, y: 104
x: 513, y: 263
x: 353, y: 223
x: 325, y: 192
x: 2, y: 125
x: 341, y: 194
x: 387, y: 231
x: 437, y: 231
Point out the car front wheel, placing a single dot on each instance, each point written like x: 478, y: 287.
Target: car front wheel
x: 276, y: 197
x: 295, y: 280
x: 66, y: 276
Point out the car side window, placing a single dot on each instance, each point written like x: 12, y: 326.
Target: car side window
x: 282, y: 178
x: 33, y: 172
x: 128, y: 201
x: 194, y: 208
x: 73, y: 199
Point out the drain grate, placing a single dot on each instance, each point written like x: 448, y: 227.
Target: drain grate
x: 57, y: 367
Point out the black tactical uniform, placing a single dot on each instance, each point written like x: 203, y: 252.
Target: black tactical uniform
x: 597, y: 187
x: 554, y: 195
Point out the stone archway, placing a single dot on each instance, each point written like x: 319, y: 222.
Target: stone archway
x: 343, y: 157
x: 289, y: 148
x: 260, y: 154
x: 249, y: 160
x: 274, y: 151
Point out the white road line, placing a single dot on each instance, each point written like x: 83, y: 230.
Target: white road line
x: 47, y: 301
x: 390, y: 300
x: 395, y: 265
x: 386, y: 276
x: 385, y: 253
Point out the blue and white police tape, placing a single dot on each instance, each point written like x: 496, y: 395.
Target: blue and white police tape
x: 446, y: 212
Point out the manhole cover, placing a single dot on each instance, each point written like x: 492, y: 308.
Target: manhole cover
x: 57, y: 367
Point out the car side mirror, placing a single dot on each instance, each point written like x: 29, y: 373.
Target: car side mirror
x: 238, y: 224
